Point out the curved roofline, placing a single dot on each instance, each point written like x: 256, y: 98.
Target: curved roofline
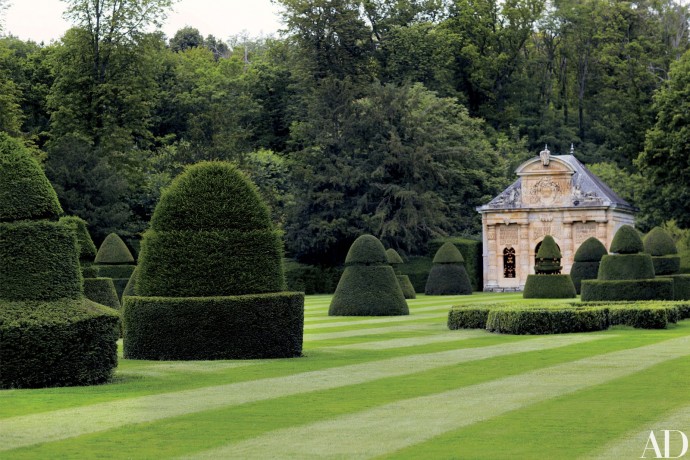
x: 553, y: 158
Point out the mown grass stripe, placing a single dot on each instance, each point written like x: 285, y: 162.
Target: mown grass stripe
x: 33, y: 429
x: 391, y: 427
x: 369, y: 320
x: 410, y: 341
x: 314, y: 337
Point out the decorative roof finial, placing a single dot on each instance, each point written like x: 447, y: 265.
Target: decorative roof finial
x: 572, y: 149
x: 545, y: 155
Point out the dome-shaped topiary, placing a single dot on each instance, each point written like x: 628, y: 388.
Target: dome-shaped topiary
x: 548, y: 257
x: 211, y: 196
x: 25, y: 193
x: 626, y: 241
x: 113, y: 251
x: 393, y: 257
x: 367, y: 250
x: 659, y: 243
x: 448, y: 253
x: 87, y: 249
x: 591, y: 250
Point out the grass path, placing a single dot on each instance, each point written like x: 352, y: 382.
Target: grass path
x: 404, y: 387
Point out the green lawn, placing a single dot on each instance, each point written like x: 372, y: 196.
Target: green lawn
x: 402, y: 387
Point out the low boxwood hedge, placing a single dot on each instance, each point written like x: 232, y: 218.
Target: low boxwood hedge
x: 651, y: 317
x: 612, y: 290
x: 626, y: 267
x: 102, y: 291
x: 406, y: 286
x: 57, y: 343
x: 549, y: 287
x: 232, y: 327
x: 468, y: 317
x: 546, y: 321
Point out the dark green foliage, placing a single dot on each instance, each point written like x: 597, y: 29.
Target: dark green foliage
x: 641, y: 289
x: 210, y: 263
x: 102, y: 291
x: 462, y: 317
x: 393, y: 257
x: 311, y: 279
x: 626, y: 241
x: 120, y: 285
x: 548, y: 257
x: 39, y: 261
x: 114, y: 271
x: 659, y: 243
x: 417, y: 270
x: 368, y: 291
x: 131, y: 286
x: 25, y: 193
x: 591, y: 250
x: 230, y: 327
x: 681, y: 287
x: 448, y: 253
x: 549, y: 287
x: 366, y: 250
x: 583, y: 271
x: 87, y: 249
x: 545, y: 320
x: 89, y: 271
x: 448, y: 279
x: 406, y: 286
x: 652, y: 317
x: 666, y: 265
x: 113, y: 251
x: 471, y: 251
x: 626, y: 267
x: 211, y: 196
x: 58, y: 343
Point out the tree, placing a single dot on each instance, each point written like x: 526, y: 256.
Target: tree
x: 185, y: 38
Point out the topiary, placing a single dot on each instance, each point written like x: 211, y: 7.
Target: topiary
x: 448, y: 253
x: 113, y: 251
x: 659, y: 243
x: 393, y: 257
x: 548, y: 257
x: 102, y: 291
x: 448, y: 275
x: 211, y: 264
x: 586, y: 261
x: 368, y: 286
x: 626, y: 241
x: 87, y: 249
x: 549, y: 286
x: 394, y: 260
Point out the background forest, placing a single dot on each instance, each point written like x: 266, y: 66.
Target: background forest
x: 390, y: 117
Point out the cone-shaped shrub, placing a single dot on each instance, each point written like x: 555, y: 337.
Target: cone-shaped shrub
x: 448, y: 275
x: 368, y: 286
x: 393, y: 257
x: 114, y: 260
x: 210, y: 274
x: 663, y: 250
x: 548, y: 282
x: 548, y: 257
x: 101, y: 290
x: 50, y: 335
x: 394, y: 260
x: 587, y: 259
x: 626, y: 241
x: 87, y: 249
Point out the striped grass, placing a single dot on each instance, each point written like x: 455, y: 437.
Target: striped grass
x: 406, y: 388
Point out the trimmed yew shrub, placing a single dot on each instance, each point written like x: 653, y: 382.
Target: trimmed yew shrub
x: 102, y: 291
x: 468, y: 317
x: 548, y: 258
x: 131, y: 286
x: 113, y: 251
x: 626, y: 267
x: 87, y: 249
x: 549, y: 287
x: 659, y: 244
x: 368, y: 286
x: 394, y: 260
x: 612, y: 290
x: 626, y: 241
x: 448, y: 275
x: 471, y: 251
x: 210, y: 274
x: 681, y: 287
x: 520, y: 320
x: 586, y: 261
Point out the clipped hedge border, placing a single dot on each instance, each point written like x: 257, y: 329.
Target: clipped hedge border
x: 614, y: 290
x: 540, y: 321
x: 59, y: 343
x: 681, y: 287
x: 232, y: 327
x: 666, y: 265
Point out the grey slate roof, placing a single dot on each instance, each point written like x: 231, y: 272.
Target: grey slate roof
x: 587, y: 190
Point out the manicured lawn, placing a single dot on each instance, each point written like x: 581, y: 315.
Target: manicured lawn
x: 402, y: 387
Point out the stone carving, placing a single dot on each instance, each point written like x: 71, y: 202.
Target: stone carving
x: 509, y: 235
x: 491, y: 233
x: 545, y: 155
x: 545, y: 191
x: 582, y: 231
x: 510, y: 198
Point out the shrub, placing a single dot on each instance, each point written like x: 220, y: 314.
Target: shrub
x: 417, y: 270
x: 311, y: 279
x: 591, y: 250
x: 114, y: 271
x: 642, y: 289
x: 113, y: 251
x: 546, y: 321
x: 666, y: 265
x: 448, y: 254
x: 659, y: 243
x: 102, y: 291
x: 89, y: 271
x: 406, y: 287
x: 681, y: 287
x: 368, y: 286
x: 626, y: 241
x: 131, y: 286
x: 583, y: 271
x: 393, y: 257
x: 87, y: 249
x: 472, y: 253
x: 462, y: 317
x: 651, y: 317
x: 549, y: 287
x: 228, y: 327
x: 448, y: 279
x: 626, y: 267
x: 56, y: 343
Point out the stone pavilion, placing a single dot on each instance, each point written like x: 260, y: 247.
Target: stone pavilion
x: 554, y: 195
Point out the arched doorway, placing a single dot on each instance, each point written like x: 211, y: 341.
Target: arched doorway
x: 509, y: 263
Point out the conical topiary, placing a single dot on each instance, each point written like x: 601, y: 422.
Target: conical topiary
x: 586, y: 261
x: 548, y: 257
x: 626, y: 241
x: 210, y: 275
x: 659, y: 244
x: 368, y: 285
x: 394, y: 260
x: 87, y: 249
x: 50, y: 335
x: 448, y: 275
x: 548, y: 282
x: 114, y: 260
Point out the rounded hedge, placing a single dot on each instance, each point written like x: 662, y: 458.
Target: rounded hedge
x: 371, y: 290
x: 229, y: 327
x: 57, y: 343
x: 87, y: 249
x: 626, y: 267
x: 366, y: 250
x: 406, y: 287
x: 666, y: 265
x: 211, y: 196
x: 548, y: 249
x: 102, y: 291
x: 626, y: 241
x: 591, y: 250
x: 113, y: 251
x: 25, y: 192
x: 659, y: 243
x: 39, y: 261
x: 448, y: 253
x: 393, y: 257
x: 448, y: 279
x: 549, y: 287
x: 583, y: 271
x: 614, y: 290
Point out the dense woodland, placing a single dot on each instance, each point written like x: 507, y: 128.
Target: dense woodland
x: 390, y: 117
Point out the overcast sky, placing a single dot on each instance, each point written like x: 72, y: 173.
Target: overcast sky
x: 41, y: 20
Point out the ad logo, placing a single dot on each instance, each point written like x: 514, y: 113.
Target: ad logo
x: 653, y: 446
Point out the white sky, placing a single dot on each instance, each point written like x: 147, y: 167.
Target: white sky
x: 41, y: 20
